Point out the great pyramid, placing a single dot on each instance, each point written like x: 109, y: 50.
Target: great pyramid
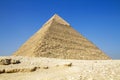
x: 57, y: 39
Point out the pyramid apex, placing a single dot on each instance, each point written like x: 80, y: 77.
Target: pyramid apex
x: 56, y: 16
x: 58, y: 19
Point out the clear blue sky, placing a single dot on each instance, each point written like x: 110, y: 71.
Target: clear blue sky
x: 97, y: 20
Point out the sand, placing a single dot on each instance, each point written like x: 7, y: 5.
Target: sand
x: 32, y: 68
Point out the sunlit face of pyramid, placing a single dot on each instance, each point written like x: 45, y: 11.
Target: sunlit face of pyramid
x: 57, y: 39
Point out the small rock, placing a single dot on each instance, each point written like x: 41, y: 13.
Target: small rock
x: 2, y: 71
x: 15, y: 61
x: 9, y: 71
x: 68, y: 64
x: 33, y: 69
x: 45, y: 67
x: 5, y: 61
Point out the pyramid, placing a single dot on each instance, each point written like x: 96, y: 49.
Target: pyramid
x: 57, y: 39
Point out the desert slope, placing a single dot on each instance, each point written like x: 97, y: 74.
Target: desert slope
x: 59, y: 69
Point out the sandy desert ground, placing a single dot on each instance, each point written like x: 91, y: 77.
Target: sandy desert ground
x: 32, y: 68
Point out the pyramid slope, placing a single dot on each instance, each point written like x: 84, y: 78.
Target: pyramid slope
x: 57, y: 39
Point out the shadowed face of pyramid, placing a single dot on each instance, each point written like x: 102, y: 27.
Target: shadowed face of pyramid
x: 57, y: 39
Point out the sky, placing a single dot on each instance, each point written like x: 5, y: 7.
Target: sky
x: 97, y: 20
